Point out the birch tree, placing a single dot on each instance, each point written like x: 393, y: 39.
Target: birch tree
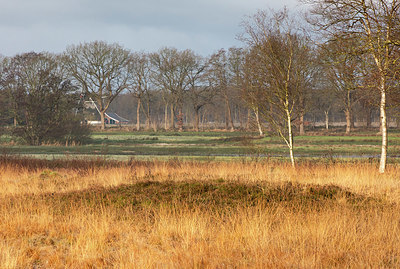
x: 376, y: 25
x: 279, y: 49
x: 253, y: 86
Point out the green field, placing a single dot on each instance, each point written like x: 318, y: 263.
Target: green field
x: 209, y: 145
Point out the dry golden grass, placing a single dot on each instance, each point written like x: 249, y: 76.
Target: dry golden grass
x: 62, y: 215
x: 38, y: 176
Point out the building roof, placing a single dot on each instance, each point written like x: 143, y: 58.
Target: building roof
x: 116, y: 117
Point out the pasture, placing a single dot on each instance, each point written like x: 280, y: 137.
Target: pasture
x: 123, y: 145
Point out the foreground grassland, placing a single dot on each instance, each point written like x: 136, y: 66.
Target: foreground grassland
x: 175, y: 214
x: 124, y: 145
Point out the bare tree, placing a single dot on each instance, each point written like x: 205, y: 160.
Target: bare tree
x: 253, y: 85
x: 279, y: 49
x: 219, y: 69
x: 305, y: 73
x: 139, y: 80
x: 324, y: 99
x: 235, y: 73
x: 202, y: 89
x: 171, y: 69
x: 342, y: 68
x: 100, y: 69
x: 376, y: 24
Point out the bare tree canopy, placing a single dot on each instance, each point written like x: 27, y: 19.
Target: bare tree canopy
x: 343, y: 70
x: 375, y: 24
x: 100, y: 69
x: 277, y: 61
x: 202, y: 88
x: 139, y: 81
x: 171, y: 70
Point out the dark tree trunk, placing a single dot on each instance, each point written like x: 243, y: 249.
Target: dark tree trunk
x: 248, y: 119
x: 369, y: 117
x: 203, y: 120
x: 172, y: 117
x: 139, y: 103
x: 301, y: 125
x: 180, y: 119
x: 147, y: 115
x: 102, y: 119
x: 229, y: 119
x: 196, y: 118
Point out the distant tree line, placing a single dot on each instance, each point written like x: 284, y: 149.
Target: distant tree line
x: 286, y: 76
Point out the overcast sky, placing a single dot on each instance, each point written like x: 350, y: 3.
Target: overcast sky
x: 51, y: 25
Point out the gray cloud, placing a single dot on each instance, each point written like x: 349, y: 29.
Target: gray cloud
x: 50, y: 25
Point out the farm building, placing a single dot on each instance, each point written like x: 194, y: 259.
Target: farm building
x: 114, y: 118
x: 92, y: 115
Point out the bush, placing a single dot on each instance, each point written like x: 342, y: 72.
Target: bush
x: 47, y: 102
x: 69, y: 132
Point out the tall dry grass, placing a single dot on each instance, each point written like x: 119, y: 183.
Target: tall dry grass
x: 40, y: 176
x: 43, y: 226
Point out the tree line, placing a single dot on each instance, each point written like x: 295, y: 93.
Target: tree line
x: 343, y: 55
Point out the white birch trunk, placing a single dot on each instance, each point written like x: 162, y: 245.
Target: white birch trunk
x: 326, y: 120
x: 290, y: 142
x: 382, y: 163
x: 260, y: 131
x: 166, y: 117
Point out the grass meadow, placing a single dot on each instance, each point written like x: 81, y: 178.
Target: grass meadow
x: 188, y: 214
x: 124, y: 145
